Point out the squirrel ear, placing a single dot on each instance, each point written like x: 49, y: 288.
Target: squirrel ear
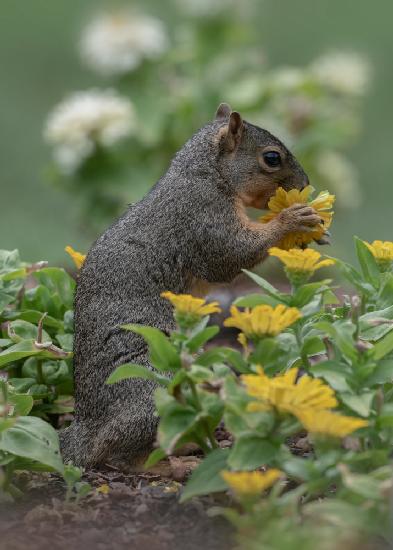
x: 223, y: 111
x: 235, y: 131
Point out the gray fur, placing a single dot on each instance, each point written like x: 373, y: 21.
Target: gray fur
x: 187, y: 227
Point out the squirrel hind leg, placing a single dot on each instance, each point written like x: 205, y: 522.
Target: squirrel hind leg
x: 76, y: 444
x: 127, y: 440
x: 124, y: 441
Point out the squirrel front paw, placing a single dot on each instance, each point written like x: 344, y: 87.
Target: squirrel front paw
x: 299, y: 218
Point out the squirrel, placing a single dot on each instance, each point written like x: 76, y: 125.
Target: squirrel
x: 191, y: 227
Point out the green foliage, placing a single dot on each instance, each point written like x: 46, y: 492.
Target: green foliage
x: 76, y: 489
x: 37, y: 330
x: 36, y: 376
x: 26, y: 442
x: 348, y: 348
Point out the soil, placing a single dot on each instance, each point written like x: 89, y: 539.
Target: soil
x: 127, y: 511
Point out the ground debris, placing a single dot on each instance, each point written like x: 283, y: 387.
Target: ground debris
x: 135, y: 511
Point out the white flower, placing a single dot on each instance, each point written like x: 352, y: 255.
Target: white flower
x: 84, y: 120
x: 287, y: 79
x: 117, y: 43
x: 346, y: 73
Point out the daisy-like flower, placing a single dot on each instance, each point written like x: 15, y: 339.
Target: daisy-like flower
x: 322, y: 204
x: 251, y: 483
x: 84, y: 121
x: 117, y: 43
x: 77, y: 257
x: 329, y: 424
x: 189, y: 310
x: 263, y: 320
x: 286, y: 395
x: 345, y: 73
x: 382, y: 252
x: 300, y: 264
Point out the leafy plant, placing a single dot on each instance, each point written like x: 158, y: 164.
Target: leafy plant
x: 342, y: 396
x: 36, y: 317
x: 26, y: 442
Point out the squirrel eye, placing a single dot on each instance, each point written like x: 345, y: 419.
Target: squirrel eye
x: 272, y: 158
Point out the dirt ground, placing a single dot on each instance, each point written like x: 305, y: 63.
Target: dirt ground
x: 139, y: 511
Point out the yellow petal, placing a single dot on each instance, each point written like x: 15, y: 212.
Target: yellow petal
x: 77, y: 257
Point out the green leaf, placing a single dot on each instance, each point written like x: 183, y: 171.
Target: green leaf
x: 252, y: 300
x: 385, y: 297
x: 336, y: 375
x: 363, y: 485
x: 341, y: 333
x: 5, y: 299
x: 382, y: 373
x: 154, y: 457
x: 371, y: 331
x: 385, y: 418
x: 30, y: 437
x: 361, y: 404
x: 59, y: 283
x: 221, y: 355
x: 382, y: 348
x: 163, y: 354
x: 22, y: 404
x: 355, y: 278
x: 206, y: 478
x: 306, y: 292
x: 267, y: 287
x: 313, y: 345
x: 18, y: 351
x: 130, y: 370
x: 5, y: 424
x: 27, y: 331
x: 268, y: 352
x: 195, y: 343
x: 21, y: 385
x: 66, y: 341
x: 174, y: 424
x: 367, y: 263
x: 33, y: 316
x: 251, y: 451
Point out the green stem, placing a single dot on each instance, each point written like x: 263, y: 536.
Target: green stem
x: 40, y: 372
x: 208, y: 431
x: 303, y: 356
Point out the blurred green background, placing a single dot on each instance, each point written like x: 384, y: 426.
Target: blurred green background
x: 40, y: 65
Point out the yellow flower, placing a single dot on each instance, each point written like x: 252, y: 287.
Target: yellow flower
x: 285, y: 394
x: 250, y: 483
x: 189, y: 310
x: 303, y: 261
x: 382, y: 252
x: 263, y: 320
x: 283, y: 199
x: 103, y: 489
x: 76, y: 256
x: 330, y: 424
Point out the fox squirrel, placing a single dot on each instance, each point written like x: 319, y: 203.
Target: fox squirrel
x: 192, y: 226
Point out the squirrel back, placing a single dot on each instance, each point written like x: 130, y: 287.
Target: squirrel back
x: 191, y: 226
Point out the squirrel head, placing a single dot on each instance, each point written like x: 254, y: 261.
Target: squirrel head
x: 253, y: 161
